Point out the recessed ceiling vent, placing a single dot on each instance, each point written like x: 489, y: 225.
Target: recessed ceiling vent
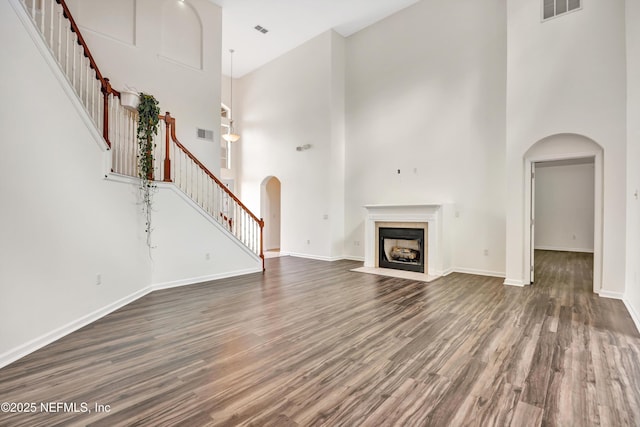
x: 262, y: 29
x: 205, y: 134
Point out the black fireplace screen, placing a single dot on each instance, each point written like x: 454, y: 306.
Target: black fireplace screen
x: 401, y: 248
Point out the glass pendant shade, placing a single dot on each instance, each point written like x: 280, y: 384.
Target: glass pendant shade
x: 230, y: 136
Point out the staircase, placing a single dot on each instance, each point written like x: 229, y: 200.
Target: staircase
x: 173, y: 163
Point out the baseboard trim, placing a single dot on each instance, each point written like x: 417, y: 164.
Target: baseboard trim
x: 610, y: 294
x: 561, y: 249
x: 308, y: 256
x: 204, y: 279
x: 448, y: 271
x: 513, y: 282
x: 479, y: 272
x: 46, y: 339
x: 354, y: 258
x: 632, y: 313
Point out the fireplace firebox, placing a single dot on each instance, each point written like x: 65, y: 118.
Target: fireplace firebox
x: 401, y: 248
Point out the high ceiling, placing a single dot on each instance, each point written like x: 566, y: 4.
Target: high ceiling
x: 290, y: 23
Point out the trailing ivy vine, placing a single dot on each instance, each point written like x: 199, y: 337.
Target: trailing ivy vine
x: 148, y: 123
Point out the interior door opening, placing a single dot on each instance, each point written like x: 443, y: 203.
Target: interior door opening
x: 562, y: 208
x: 271, y: 201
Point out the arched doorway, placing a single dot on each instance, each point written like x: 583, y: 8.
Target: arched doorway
x: 270, y: 206
x: 557, y: 150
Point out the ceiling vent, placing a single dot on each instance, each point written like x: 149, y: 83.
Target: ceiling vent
x: 261, y: 29
x: 205, y: 134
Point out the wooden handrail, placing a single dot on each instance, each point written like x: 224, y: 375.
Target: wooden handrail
x: 105, y: 86
x: 81, y: 42
x: 107, y: 90
x: 172, y: 120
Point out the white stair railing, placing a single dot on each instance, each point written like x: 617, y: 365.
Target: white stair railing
x: 60, y: 34
x: 172, y: 161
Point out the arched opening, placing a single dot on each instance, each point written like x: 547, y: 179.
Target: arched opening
x: 270, y: 205
x: 564, y: 160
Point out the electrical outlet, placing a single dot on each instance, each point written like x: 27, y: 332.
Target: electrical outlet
x: 486, y: 252
x: 308, y: 242
x: 98, y: 279
x: 356, y: 243
x: 207, y: 256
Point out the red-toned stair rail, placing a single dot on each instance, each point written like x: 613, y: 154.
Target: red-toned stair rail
x: 63, y: 37
x: 203, y: 187
x: 118, y: 125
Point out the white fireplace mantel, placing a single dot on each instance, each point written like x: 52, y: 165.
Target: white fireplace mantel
x: 436, y: 215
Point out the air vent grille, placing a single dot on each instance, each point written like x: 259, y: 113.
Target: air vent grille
x: 553, y: 8
x: 205, y: 134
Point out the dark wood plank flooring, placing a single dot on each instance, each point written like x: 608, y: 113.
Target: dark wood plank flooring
x: 311, y: 343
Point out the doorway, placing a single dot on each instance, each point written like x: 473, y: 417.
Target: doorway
x: 562, y: 207
x: 271, y: 200
x: 566, y: 148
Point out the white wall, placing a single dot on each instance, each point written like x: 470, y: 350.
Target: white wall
x: 632, y: 290
x: 285, y: 104
x: 157, y: 60
x: 65, y: 227
x: 564, y: 205
x: 337, y: 154
x: 189, y: 247
x: 62, y: 223
x: 426, y: 96
x: 567, y: 75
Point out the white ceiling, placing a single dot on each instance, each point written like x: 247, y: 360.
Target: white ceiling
x: 290, y: 23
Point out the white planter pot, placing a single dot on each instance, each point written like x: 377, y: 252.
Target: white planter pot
x: 129, y: 100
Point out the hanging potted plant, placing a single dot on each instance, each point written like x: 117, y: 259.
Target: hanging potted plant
x: 129, y: 99
x: 148, y: 122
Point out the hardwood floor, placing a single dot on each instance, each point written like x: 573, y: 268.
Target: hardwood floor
x: 311, y: 343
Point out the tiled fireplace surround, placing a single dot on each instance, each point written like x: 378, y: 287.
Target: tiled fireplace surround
x: 426, y: 216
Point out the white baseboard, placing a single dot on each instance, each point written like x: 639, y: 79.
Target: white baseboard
x: 46, y: 339
x: 564, y: 249
x: 309, y: 256
x: 354, y: 258
x: 447, y: 272
x: 203, y: 279
x: 610, y: 294
x: 479, y: 272
x: 632, y: 313
x: 513, y: 282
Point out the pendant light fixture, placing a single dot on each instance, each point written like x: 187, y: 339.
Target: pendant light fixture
x: 231, y: 136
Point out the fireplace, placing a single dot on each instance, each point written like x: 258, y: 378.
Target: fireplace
x: 401, y: 248
x: 434, y: 220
